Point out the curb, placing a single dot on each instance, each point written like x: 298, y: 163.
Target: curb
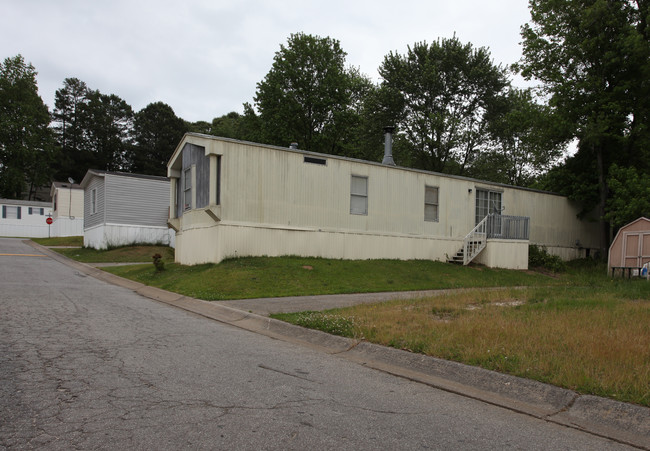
x: 622, y: 422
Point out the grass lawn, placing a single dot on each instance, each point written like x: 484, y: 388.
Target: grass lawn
x: 578, y: 329
x: 258, y: 277
x: 594, y: 339
x: 124, y: 254
x: 60, y: 241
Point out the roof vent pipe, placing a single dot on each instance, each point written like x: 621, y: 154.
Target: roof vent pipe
x: 293, y: 145
x: 388, y: 146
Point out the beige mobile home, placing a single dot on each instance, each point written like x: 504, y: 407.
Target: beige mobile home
x: 67, y: 209
x: 231, y: 198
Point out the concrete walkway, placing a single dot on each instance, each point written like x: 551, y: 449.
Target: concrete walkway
x: 290, y: 304
x: 618, y: 421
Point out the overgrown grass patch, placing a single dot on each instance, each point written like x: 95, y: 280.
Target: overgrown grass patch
x: 258, y: 277
x: 592, y: 340
x: 60, y: 241
x: 126, y: 254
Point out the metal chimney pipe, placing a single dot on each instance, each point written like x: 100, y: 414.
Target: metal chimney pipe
x: 388, y: 146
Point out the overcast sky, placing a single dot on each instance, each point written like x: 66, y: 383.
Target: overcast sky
x: 204, y: 57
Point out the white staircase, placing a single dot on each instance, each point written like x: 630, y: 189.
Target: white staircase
x: 473, y: 244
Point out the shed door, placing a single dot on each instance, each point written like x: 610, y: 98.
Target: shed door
x: 636, y: 249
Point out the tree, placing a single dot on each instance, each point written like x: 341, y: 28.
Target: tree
x: 630, y: 195
x: 232, y: 125
x: 593, y: 59
x: 308, y: 96
x: 25, y: 139
x: 70, y: 124
x: 109, y: 131
x: 438, y: 96
x: 525, y: 141
x: 93, y: 130
x: 157, y: 132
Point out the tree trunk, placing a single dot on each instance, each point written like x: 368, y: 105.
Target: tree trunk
x: 603, y: 192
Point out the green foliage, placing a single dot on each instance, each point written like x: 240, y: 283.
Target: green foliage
x: 158, y: 262
x: 157, y: 131
x: 109, y: 132
x: 630, y: 195
x: 93, y: 130
x: 525, y: 141
x: 233, y: 125
x: 593, y: 58
x: 438, y: 96
x: 309, y: 96
x: 70, y: 125
x: 538, y: 257
x: 26, y: 143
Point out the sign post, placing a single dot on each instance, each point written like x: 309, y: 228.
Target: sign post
x: 49, y: 223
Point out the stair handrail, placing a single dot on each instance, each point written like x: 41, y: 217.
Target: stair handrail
x: 475, y: 241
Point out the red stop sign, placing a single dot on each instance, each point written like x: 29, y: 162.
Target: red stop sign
x: 49, y: 220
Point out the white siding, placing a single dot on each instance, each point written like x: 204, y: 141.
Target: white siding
x: 28, y: 226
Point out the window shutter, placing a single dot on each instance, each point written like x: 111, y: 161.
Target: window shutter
x: 30, y: 210
x: 18, y: 210
x: 4, y: 211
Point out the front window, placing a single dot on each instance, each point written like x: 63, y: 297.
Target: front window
x: 93, y: 201
x: 359, y: 195
x: 218, y: 194
x: 187, y: 189
x: 431, y: 203
x: 10, y: 212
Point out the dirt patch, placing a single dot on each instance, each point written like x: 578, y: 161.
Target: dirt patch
x: 544, y: 272
x: 504, y: 303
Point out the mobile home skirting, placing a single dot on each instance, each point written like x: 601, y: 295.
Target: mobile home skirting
x: 64, y: 226
x: 226, y: 240
x: 104, y: 236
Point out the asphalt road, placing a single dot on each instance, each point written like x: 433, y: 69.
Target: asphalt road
x: 88, y: 365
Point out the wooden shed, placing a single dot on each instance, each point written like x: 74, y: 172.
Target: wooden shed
x: 630, y: 250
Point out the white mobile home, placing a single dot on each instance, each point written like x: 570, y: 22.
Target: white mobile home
x: 122, y: 209
x: 67, y: 209
x: 24, y: 218
x: 232, y: 198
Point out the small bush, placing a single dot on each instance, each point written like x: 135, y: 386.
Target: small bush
x: 158, y: 263
x: 538, y: 257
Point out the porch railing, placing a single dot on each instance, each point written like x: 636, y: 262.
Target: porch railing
x: 497, y: 226
x: 507, y: 227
